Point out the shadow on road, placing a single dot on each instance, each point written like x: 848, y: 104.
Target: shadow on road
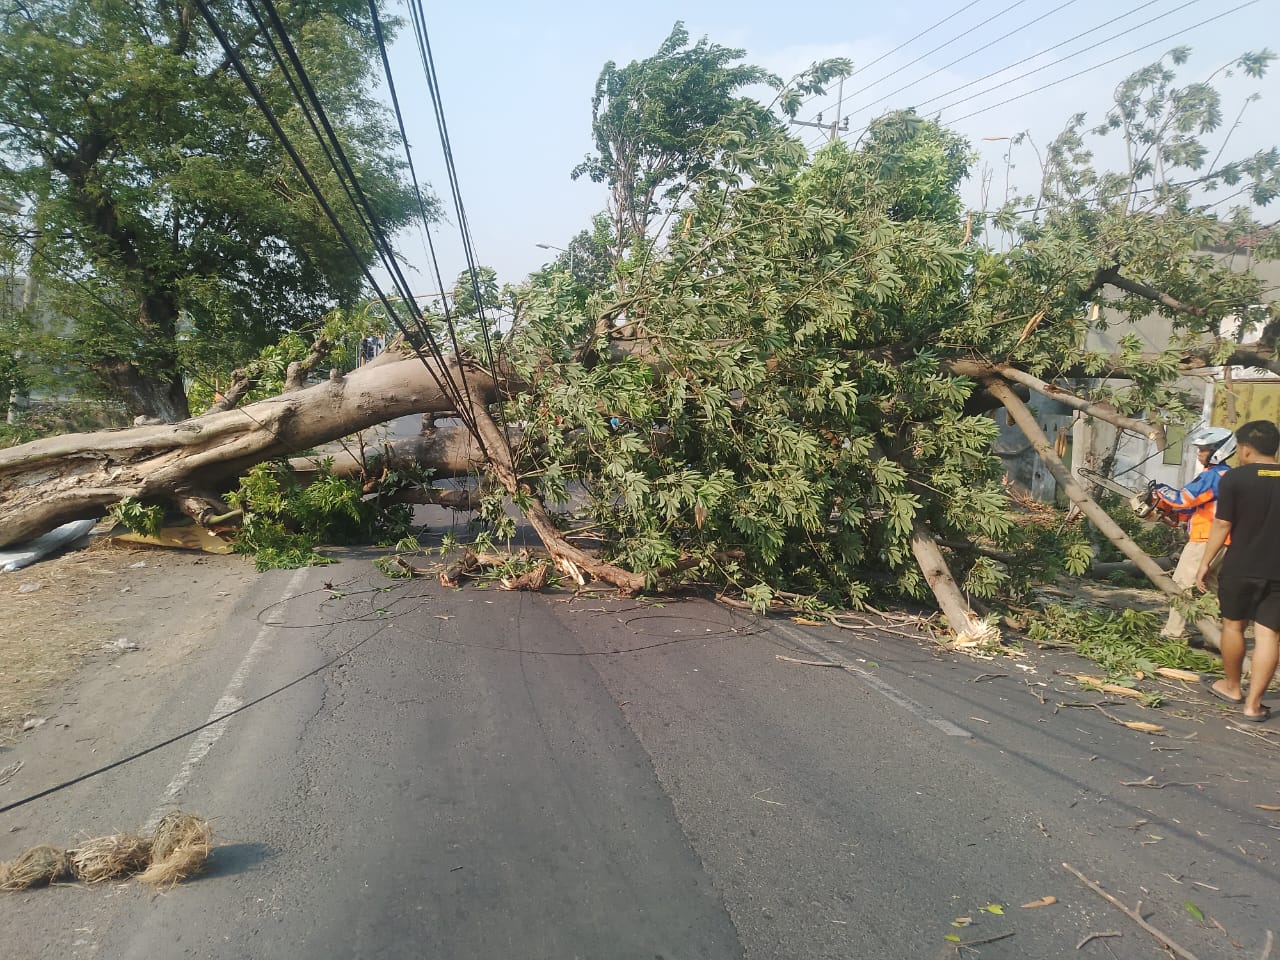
x: 232, y: 858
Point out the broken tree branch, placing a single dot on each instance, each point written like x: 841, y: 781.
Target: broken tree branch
x: 1098, y: 936
x: 1102, y: 411
x: 1164, y: 939
x: 1113, y: 278
x: 75, y: 476
x: 1020, y: 414
x: 568, y: 558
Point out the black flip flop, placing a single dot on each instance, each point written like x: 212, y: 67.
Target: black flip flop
x: 1263, y: 717
x: 1208, y: 681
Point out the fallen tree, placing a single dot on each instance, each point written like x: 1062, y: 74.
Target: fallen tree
x: 791, y: 398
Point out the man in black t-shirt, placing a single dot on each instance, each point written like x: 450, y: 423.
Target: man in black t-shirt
x: 1249, y: 581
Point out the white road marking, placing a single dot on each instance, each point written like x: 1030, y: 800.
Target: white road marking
x: 230, y: 700
x: 887, y: 691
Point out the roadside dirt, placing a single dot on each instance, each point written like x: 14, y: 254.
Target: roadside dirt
x: 64, y: 619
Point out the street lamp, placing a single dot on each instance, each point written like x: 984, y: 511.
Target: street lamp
x: 552, y: 246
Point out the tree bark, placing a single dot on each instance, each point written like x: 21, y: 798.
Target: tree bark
x: 76, y: 476
x: 1022, y: 416
x: 570, y: 559
x: 933, y: 566
x: 963, y: 622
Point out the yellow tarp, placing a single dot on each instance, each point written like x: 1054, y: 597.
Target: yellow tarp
x: 183, y: 537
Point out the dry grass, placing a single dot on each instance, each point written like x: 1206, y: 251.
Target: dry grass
x: 105, y: 858
x: 40, y: 645
x: 180, y: 847
x: 37, y: 867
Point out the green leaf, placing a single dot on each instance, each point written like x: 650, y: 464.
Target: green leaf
x: 994, y: 908
x: 1195, y: 911
x: 952, y: 937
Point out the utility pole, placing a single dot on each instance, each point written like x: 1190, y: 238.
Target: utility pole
x: 837, y: 125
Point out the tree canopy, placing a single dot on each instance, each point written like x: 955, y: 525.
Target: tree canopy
x: 659, y: 123
x: 158, y: 208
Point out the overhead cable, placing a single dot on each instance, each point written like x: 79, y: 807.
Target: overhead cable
x: 445, y: 385
x: 1096, y: 66
x: 923, y: 56
x: 971, y: 53
x: 905, y: 43
x: 377, y: 231
x: 418, y: 16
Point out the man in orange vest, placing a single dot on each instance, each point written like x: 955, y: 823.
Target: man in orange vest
x: 1196, y: 504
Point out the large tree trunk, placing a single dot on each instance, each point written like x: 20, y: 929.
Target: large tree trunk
x: 146, y: 396
x: 76, y: 476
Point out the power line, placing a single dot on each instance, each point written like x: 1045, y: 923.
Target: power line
x: 1096, y: 66
x: 894, y: 73
x: 1063, y: 43
x: 233, y: 58
x: 1049, y: 49
x: 971, y: 53
x: 1068, y: 57
x: 905, y: 43
x: 1065, y: 59
x: 423, y: 37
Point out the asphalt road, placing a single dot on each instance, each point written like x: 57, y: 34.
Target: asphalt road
x: 494, y: 775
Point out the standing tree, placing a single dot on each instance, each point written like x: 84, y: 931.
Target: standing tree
x: 660, y: 123
x: 165, y: 211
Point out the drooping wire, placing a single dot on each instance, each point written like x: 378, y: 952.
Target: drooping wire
x: 450, y: 325
x: 377, y: 232
x: 422, y: 35
x: 446, y: 385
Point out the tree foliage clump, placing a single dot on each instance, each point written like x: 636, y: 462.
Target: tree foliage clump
x: 781, y: 413
x: 284, y: 520
x: 789, y: 395
x: 660, y: 123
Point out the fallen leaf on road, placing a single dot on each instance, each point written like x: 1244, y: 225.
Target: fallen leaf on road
x: 952, y: 937
x: 1195, y: 911
x: 994, y: 908
x: 1042, y: 902
x: 1143, y: 727
x: 806, y: 663
x: 962, y: 921
x: 1267, y: 806
x: 807, y: 622
x: 1173, y: 673
x: 1109, y: 687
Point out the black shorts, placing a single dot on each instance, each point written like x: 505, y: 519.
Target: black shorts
x: 1250, y: 598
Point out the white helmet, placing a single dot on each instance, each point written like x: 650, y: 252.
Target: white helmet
x: 1218, y: 439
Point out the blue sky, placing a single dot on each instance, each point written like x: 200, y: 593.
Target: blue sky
x: 518, y: 79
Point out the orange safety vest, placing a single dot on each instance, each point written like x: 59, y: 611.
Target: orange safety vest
x: 1197, y: 502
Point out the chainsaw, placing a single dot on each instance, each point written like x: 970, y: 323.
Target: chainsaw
x: 1144, y: 502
